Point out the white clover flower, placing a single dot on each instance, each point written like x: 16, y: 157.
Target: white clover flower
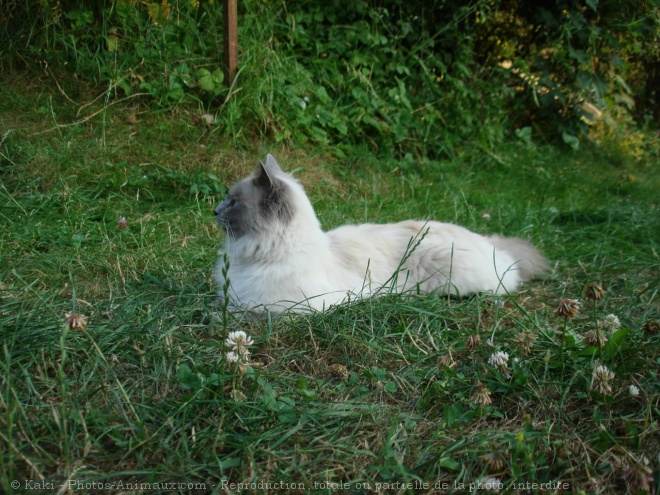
x: 568, y: 308
x: 75, y: 321
x: 481, y: 394
x: 596, y: 337
x: 600, y: 379
x: 491, y: 484
x: 499, y: 360
x: 232, y: 357
x: 611, y: 323
x: 239, y: 341
x: 634, y: 391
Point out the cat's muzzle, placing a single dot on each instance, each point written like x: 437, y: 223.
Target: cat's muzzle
x: 220, y: 217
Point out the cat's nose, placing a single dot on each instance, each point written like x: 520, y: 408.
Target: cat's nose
x: 216, y: 210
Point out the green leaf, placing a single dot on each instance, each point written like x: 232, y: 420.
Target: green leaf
x: 390, y: 387
x: 579, y: 55
x: 187, y: 379
x: 305, y: 390
x: 369, y: 120
x: 111, y: 43
x: 214, y: 379
x: 615, y: 344
x: 525, y: 135
x: 286, y: 407
x: 205, y: 80
x: 452, y: 413
x: 571, y: 140
x: 449, y: 463
x: 218, y: 77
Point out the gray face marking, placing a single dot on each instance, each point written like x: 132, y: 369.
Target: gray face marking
x: 255, y: 203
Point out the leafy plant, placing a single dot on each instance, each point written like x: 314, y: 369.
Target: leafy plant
x: 412, y: 80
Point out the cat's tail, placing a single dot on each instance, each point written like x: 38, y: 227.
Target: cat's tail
x: 529, y: 261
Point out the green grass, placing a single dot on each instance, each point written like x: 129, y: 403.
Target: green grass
x: 371, y: 395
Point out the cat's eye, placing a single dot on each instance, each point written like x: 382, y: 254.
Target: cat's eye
x: 230, y: 202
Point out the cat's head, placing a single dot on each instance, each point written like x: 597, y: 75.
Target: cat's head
x: 264, y: 202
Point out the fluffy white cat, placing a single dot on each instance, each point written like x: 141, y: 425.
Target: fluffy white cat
x: 280, y: 258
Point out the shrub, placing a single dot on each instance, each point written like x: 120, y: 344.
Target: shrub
x: 413, y: 79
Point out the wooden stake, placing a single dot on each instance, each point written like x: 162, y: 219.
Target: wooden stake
x: 231, y: 39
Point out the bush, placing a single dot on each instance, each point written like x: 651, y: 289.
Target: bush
x: 413, y: 79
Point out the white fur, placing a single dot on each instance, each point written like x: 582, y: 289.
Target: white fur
x: 300, y: 266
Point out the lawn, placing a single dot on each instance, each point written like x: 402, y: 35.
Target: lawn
x: 401, y: 394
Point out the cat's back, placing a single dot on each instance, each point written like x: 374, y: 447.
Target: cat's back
x: 400, y: 233
x: 435, y: 254
x: 387, y: 244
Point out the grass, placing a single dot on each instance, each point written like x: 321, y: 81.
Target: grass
x: 394, y: 395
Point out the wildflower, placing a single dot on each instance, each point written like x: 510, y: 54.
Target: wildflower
x: 491, y: 484
x: 568, y: 308
x: 525, y: 340
x: 495, y: 461
x: 446, y: 360
x: 596, y: 337
x: 232, y: 357
x: 500, y: 361
x: 239, y: 341
x: 611, y: 323
x: 639, y: 477
x: 600, y: 379
x: 486, y: 216
x: 594, y: 291
x: 122, y: 223
x: 634, y: 390
x: 473, y: 341
x: 481, y: 394
x: 75, y: 321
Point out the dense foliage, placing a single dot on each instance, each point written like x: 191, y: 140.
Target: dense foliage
x: 414, y: 79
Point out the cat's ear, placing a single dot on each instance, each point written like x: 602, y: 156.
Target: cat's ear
x: 268, y: 172
x: 272, y: 167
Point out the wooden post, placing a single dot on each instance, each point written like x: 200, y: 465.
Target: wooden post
x: 231, y: 39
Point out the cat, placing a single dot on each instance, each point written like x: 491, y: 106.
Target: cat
x: 281, y: 260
